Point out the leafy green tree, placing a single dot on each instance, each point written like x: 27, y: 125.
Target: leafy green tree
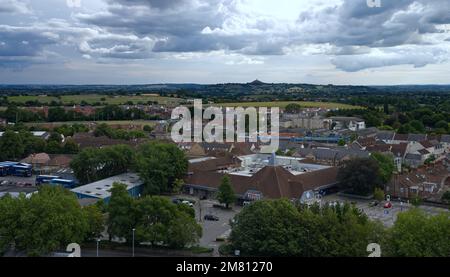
x: 148, y: 128
x: 406, y: 129
x: 378, y: 194
x: 442, y: 124
x: 93, y: 164
x: 53, y: 147
x: 96, y: 221
x: 56, y: 137
x: 11, y: 146
x: 71, y: 147
x: 359, y: 176
x: 341, y: 142
x: 177, y: 185
x: 46, y: 222
x: 160, y: 221
x: 33, y: 144
x: 416, y: 201
x: 183, y: 230
x: 56, y: 114
x: 386, y: 166
x: 446, y: 197
x: 159, y: 165
x: 278, y: 228
x: 416, y: 234
x: 226, y: 195
x: 293, y: 108
x: 120, y: 213
x: 418, y: 126
x: 267, y: 228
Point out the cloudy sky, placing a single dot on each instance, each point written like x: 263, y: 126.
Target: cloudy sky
x: 215, y: 41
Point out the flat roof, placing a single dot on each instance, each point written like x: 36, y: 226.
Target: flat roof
x: 101, y: 189
x: 253, y: 163
x: 199, y: 160
x: 34, y: 133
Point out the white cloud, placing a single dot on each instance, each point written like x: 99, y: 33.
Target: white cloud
x: 73, y: 3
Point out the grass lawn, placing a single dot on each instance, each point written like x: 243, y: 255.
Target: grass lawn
x: 283, y: 104
x: 96, y: 98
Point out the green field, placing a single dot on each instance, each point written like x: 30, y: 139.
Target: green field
x: 112, y: 122
x: 283, y: 104
x: 96, y: 98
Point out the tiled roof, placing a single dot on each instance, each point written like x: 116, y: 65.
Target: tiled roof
x: 271, y: 181
x: 401, y: 137
x: 426, y: 144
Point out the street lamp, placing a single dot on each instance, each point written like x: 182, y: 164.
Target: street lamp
x: 133, y: 240
x: 98, y: 241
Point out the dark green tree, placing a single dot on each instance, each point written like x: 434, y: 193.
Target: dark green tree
x: 70, y: 147
x: 121, y: 212
x: 386, y: 166
x: 416, y: 234
x: 93, y: 164
x: 159, y: 220
x: 45, y: 222
x: 293, y: 108
x: 11, y: 146
x: 160, y: 165
x: 225, y: 194
x: 360, y: 176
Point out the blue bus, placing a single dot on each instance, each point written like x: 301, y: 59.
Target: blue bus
x: 45, y: 179
x: 6, y: 168
x: 68, y: 184
x: 22, y: 170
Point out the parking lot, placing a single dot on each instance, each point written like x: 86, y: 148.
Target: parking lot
x: 12, y: 180
x: 213, y: 229
x: 386, y: 216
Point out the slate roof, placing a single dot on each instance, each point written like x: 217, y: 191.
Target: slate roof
x: 445, y: 138
x: 385, y: 135
x: 417, y: 137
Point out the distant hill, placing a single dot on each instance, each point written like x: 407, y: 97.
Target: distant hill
x: 256, y: 83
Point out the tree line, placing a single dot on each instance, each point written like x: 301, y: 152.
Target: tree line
x: 47, y: 221
x: 155, y: 219
x: 159, y: 165
x: 16, y: 114
x: 16, y: 145
x: 281, y: 228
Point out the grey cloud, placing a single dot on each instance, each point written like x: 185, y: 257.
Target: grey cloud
x: 141, y: 29
x: 158, y: 4
x: 351, y: 63
x: 182, y: 30
x: 20, y: 42
x: 14, y: 6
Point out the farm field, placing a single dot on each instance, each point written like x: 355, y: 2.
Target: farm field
x: 96, y: 98
x: 51, y: 125
x: 283, y: 104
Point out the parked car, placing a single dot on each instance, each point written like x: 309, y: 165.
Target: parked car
x: 211, y: 217
x: 187, y: 203
x: 388, y: 205
x: 374, y: 203
x: 176, y: 201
